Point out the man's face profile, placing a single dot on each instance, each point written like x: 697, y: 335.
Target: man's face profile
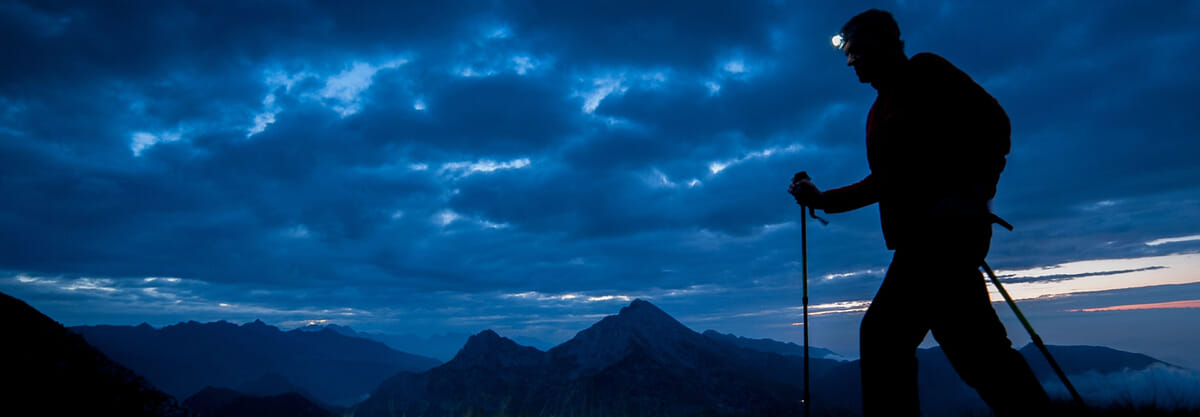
x: 863, y: 56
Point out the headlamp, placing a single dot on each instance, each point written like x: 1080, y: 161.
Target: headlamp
x: 839, y: 41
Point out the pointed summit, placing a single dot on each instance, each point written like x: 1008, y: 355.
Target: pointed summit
x: 486, y: 340
x: 258, y: 326
x: 641, y: 309
x: 641, y: 326
x: 645, y: 319
x: 490, y: 349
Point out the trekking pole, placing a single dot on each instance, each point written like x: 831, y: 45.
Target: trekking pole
x: 804, y: 273
x: 1037, y: 340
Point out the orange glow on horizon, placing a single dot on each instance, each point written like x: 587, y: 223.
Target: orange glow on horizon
x: 1149, y: 306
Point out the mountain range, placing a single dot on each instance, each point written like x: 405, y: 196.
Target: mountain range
x: 638, y: 362
x: 184, y: 358
x: 642, y: 361
x: 440, y: 346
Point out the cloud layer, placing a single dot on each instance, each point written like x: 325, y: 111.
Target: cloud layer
x: 529, y: 165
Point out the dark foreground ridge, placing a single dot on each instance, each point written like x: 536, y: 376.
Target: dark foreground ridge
x: 50, y: 371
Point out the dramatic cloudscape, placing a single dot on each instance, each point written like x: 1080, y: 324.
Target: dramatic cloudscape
x: 531, y: 166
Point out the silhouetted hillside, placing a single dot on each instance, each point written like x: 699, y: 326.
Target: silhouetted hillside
x: 223, y: 402
x: 1080, y: 359
x: 770, y: 345
x: 439, y: 346
x: 50, y: 371
x: 183, y: 358
x: 273, y: 384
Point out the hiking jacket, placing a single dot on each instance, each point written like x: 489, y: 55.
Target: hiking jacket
x: 934, y: 136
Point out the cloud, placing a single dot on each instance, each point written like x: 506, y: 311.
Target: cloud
x: 601, y: 88
x: 1101, y: 274
x: 1148, y: 306
x: 1015, y: 278
x: 1158, y: 387
x: 1164, y: 241
x: 342, y: 91
x: 463, y: 169
x: 142, y: 140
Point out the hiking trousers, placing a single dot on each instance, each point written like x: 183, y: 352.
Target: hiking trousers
x: 940, y: 290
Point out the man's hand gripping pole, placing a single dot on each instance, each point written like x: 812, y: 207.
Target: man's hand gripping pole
x: 812, y: 211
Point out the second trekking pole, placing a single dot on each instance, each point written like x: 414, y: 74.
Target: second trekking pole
x: 1037, y: 340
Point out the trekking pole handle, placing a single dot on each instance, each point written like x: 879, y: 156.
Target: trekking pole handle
x: 812, y: 211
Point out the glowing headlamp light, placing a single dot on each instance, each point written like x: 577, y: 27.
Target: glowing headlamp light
x: 839, y: 41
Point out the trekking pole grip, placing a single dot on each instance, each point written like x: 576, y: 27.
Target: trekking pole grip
x: 812, y: 211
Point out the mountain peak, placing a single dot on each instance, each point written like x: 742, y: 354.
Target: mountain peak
x: 640, y: 306
x: 640, y: 326
x: 489, y: 348
x: 258, y: 326
x: 486, y: 341
x: 644, y: 315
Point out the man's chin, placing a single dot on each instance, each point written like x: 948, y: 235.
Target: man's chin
x: 862, y: 78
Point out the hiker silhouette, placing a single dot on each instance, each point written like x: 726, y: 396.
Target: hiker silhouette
x: 936, y: 144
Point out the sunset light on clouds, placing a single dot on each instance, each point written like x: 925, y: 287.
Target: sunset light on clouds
x: 1150, y: 306
x: 1099, y: 275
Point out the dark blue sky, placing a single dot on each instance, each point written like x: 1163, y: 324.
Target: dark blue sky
x: 531, y: 166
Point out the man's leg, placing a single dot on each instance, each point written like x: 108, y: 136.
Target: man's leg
x: 978, y: 347
x: 891, y: 331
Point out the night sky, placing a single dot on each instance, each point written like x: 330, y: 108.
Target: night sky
x: 531, y: 166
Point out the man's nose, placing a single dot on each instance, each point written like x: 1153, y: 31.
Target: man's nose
x: 850, y: 60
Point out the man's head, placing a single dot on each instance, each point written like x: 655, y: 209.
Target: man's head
x: 871, y: 42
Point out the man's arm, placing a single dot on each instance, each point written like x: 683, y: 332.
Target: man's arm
x: 851, y: 197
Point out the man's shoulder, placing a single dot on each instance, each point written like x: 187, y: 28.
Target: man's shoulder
x: 928, y: 62
x: 929, y: 58
x: 933, y: 70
